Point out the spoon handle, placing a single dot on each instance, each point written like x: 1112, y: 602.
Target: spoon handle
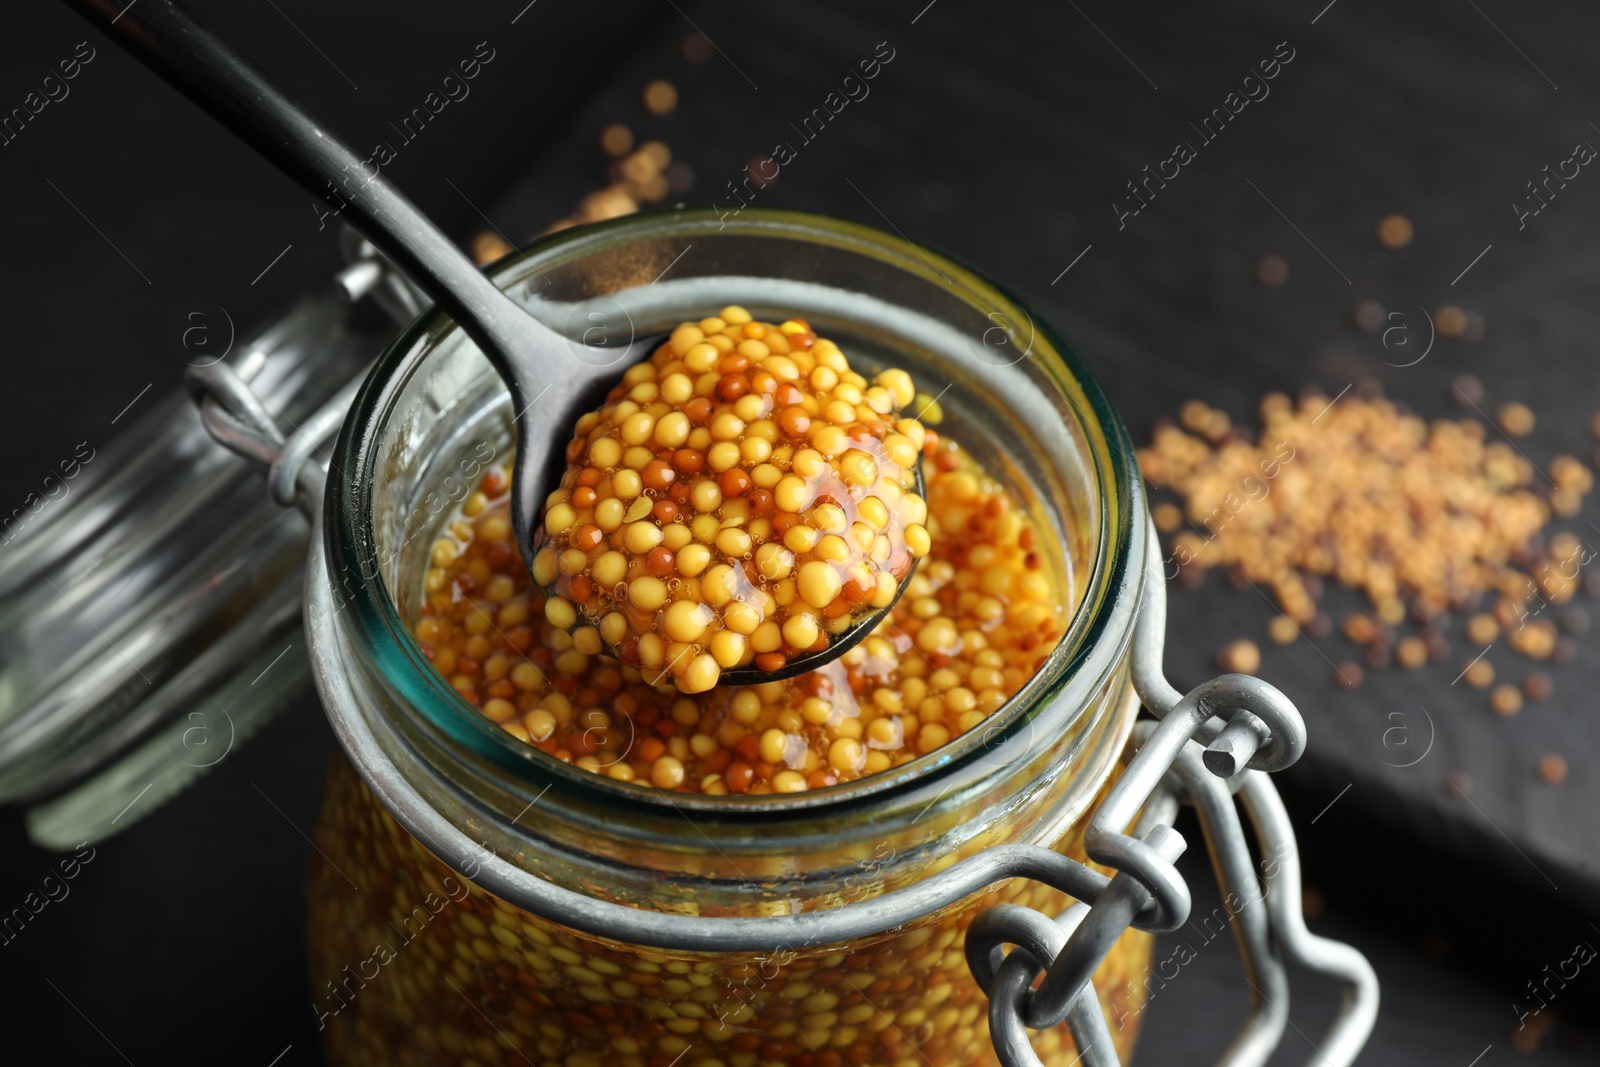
x: 212, y: 75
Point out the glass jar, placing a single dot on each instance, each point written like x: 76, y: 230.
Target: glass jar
x: 478, y: 901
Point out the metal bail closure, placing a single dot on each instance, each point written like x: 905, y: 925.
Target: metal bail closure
x: 150, y: 617
x: 1220, y: 739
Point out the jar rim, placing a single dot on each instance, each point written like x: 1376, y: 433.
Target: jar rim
x: 349, y: 534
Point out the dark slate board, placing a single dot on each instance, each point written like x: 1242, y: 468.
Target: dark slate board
x: 1006, y: 139
x: 1422, y: 108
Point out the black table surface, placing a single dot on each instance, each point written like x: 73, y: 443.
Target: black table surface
x: 1004, y: 136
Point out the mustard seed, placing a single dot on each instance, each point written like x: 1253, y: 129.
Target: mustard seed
x: 1516, y: 419
x: 1394, y: 231
x: 1411, y: 652
x: 1505, y: 700
x: 1450, y: 321
x: 1239, y: 657
x: 1480, y: 674
x: 1273, y: 270
x: 660, y: 97
x: 1282, y: 630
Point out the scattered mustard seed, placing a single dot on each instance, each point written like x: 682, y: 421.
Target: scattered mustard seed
x: 1480, y: 674
x: 1349, y: 675
x: 1505, y: 699
x: 1552, y: 769
x: 1536, y: 639
x: 697, y: 48
x: 1360, y: 629
x: 1316, y: 494
x: 1168, y: 517
x: 1450, y: 321
x: 1466, y: 391
x: 1515, y: 419
x: 1482, y: 629
x: 1369, y: 315
x: 1411, y: 652
x: 1273, y: 270
x: 1240, y: 657
x: 1395, y: 232
x: 1568, y: 472
x: 660, y: 97
x: 1282, y: 630
x: 1536, y: 685
x: 616, y: 139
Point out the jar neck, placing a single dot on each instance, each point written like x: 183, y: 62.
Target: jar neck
x: 471, y: 792
x: 1026, y: 782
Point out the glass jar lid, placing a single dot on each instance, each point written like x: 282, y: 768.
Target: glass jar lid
x: 150, y: 613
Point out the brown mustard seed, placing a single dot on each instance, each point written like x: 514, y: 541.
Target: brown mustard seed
x: 1568, y: 472
x: 1552, y: 769
x: 1194, y: 415
x: 1515, y: 418
x: 1411, y: 652
x: 1239, y: 657
x: 1450, y: 321
x: 1535, y: 639
x: 1505, y: 699
x: 1273, y: 270
x: 1466, y: 391
x: 1376, y: 655
x: 616, y: 139
x: 1480, y: 674
x: 1359, y: 629
x: 1527, y: 1039
x: 1348, y: 675
x: 1167, y: 517
x: 1458, y: 783
x: 697, y: 48
x: 1536, y: 685
x: 1282, y: 630
x: 680, y: 178
x: 660, y: 97
x: 1394, y: 231
x: 1575, y: 620
x: 1369, y: 316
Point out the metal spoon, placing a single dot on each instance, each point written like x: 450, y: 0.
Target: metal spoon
x: 550, y: 384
